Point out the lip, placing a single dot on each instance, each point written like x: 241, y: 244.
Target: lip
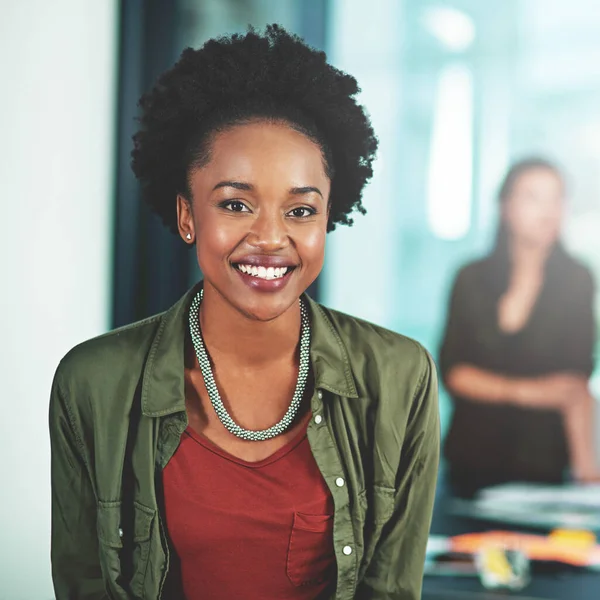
x: 264, y: 260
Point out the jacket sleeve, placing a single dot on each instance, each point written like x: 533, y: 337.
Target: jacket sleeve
x: 580, y: 329
x: 76, y: 569
x: 458, y: 342
x: 396, y: 569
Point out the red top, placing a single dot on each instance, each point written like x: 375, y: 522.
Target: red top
x: 253, y: 530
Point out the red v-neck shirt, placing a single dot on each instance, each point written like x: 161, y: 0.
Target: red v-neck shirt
x: 252, y: 530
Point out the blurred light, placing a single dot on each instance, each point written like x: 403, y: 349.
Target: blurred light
x: 453, y: 28
x: 589, y: 137
x: 450, y: 177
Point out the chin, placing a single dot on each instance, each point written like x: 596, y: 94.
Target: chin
x: 548, y: 241
x: 258, y: 300
x: 265, y: 311
x: 542, y: 240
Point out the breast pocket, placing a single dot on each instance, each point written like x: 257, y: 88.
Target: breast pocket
x: 124, y: 552
x: 311, y: 557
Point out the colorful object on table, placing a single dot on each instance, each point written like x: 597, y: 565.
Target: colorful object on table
x: 501, y: 568
x: 577, y: 548
x: 574, y: 537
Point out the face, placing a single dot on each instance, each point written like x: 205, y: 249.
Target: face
x: 534, y: 210
x: 258, y: 215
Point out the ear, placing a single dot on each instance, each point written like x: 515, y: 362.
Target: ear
x: 185, y: 220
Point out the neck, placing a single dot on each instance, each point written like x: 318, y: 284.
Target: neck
x: 529, y: 256
x: 243, y: 339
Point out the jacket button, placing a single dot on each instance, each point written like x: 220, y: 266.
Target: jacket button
x: 320, y: 395
x: 339, y: 482
x: 347, y: 550
x: 318, y: 419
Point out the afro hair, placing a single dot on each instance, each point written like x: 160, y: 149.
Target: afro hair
x: 240, y: 78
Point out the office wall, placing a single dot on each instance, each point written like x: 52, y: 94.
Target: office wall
x: 456, y: 92
x: 366, y: 40
x: 58, y: 67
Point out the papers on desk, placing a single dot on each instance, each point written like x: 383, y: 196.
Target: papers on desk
x: 573, y: 495
x: 540, y: 506
x: 453, y: 553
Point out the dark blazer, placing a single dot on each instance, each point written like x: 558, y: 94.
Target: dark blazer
x: 494, y: 443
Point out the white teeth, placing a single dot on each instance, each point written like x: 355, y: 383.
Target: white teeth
x: 263, y: 272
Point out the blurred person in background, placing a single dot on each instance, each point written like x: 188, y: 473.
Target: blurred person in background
x: 518, y: 347
x: 247, y: 443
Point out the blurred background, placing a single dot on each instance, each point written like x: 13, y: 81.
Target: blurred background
x: 456, y: 91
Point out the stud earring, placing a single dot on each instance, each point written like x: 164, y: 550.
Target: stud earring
x: 188, y: 236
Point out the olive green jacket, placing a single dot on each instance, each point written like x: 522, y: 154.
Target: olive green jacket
x: 117, y: 412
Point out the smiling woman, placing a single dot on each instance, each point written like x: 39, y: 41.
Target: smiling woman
x: 248, y: 442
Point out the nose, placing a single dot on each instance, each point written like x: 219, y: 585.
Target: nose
x: 268, y: 232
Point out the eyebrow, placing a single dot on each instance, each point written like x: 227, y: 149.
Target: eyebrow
x: 238, y: 185
x: 247, y: 187
x: 299, y: 191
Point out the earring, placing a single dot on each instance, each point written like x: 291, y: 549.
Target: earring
x: 188, y: 236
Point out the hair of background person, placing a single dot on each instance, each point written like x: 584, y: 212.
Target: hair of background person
x: 240, y: 79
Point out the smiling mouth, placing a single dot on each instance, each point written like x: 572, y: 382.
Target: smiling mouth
x: 260, y: 272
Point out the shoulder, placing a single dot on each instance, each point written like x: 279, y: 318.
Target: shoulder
x: 570, y: 281
x: 372, y: 347
x: 473, y: 273
x: 579, y: 274
x: 120, y: 350
x: 396, y: 384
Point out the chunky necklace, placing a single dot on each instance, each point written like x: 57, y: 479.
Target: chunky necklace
x: 213, y: 392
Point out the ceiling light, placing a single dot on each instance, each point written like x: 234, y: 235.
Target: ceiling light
x: 454, y: 29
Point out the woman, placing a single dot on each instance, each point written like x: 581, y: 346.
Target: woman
x: 518, y: 347
x: 247, y: 443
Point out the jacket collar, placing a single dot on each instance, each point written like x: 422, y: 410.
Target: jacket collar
x: 163, y: 381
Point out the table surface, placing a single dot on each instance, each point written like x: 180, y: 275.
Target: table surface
x: 581, y: 586
x: 557, y: 584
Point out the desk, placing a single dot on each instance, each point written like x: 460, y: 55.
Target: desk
x: 561, y: 584
x: 584, y: 586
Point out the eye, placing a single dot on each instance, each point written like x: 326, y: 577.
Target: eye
x: 302, y: 212
x: 234, y: 206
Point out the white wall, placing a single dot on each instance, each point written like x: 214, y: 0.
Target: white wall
x: 58, y: 65
x: 365, y: 40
